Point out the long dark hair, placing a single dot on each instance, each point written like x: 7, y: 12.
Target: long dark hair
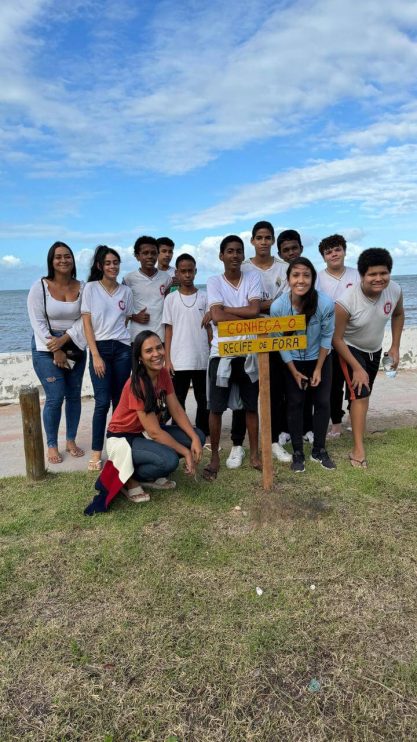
x: 310, y: 299
x: 142, y: 386
x: 96, y: 270
x: 50, y: 260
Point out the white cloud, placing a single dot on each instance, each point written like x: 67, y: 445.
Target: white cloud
x: 404, y: 249
x: 184, y: 96
x: 10, y: 261
x: 383, y: 183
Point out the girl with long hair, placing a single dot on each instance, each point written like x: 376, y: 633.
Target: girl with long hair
x: 309, y: 368
x: 106, y: 309
x: 54, y: 307
x: 148, y: 397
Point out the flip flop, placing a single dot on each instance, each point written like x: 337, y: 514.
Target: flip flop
x: 94, y: 465
x: 135, y: 494
x: 162, y: 483
x: 210, y: 474
x: 76, y: 452
x: 207, y: 447
x: 358, y: 463
x: 330, y: 434
x: 56, y: 459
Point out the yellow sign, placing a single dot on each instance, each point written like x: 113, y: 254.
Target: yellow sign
x: 261, y: 325
x: 262, y: 345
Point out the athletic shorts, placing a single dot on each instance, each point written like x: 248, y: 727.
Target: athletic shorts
x: 219, y: 395
x: 369, y: 362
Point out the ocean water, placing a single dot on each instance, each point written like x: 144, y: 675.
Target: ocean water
x: 16, y: 332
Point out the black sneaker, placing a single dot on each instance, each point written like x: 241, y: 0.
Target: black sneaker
x: 298, y: 462
x: 323, y: 458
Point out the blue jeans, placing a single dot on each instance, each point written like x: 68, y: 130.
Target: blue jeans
x: 153, y: 460
x: 118, y: 359
x: 59, y: 384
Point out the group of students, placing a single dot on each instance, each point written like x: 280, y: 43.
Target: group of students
x: 155, y: 332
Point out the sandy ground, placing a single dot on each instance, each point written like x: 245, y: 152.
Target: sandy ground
x: 393, y: 404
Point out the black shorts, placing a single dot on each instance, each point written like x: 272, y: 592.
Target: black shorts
x: 219, y: 395
x: 369, y: 362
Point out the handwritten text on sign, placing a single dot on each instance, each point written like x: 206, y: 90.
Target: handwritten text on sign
x: 261, y: 325
x: 262, y: 345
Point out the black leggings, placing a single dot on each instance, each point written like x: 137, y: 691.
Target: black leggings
x: 181, y: 381
x: 321, y: 401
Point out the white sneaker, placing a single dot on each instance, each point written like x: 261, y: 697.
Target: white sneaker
x: 280, y: 453
x: 235, y: 457
x: 284, y: 438
x: 309, y: 437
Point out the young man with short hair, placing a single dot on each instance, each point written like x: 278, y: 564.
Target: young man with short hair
x: 273, y: 274
x: 165, y: 253
x: 232, y: 296
x: 186, y: 341
x: 333, y: 281
x: 362, y: 313
x: 289, y: 245
x: 149, y: 286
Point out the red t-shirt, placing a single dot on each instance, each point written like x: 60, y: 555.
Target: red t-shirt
x: 125, y: 417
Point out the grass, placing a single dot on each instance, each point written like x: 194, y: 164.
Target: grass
x: 144, y: 623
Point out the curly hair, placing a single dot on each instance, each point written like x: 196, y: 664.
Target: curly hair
x: 333, y: 241
x: 374, y: 256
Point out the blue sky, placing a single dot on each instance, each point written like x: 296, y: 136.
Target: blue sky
x: 194, y: 120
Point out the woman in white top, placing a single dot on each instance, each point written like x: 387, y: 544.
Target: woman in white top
x: 54, y: 306
x: 106, y: 309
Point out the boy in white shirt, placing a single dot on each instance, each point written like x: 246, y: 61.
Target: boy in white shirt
x: 232, y: 296
x: 273, y: 274
x: 149, y: 286
x: 186, y: 340
x: 165, y: 253
x: 333, y: 281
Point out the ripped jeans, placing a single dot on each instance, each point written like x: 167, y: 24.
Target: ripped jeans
x: 59, y: 384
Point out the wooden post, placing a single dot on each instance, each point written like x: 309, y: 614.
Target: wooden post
x: 265, y: 410
x: 32, y: 432
x: 261, y: 345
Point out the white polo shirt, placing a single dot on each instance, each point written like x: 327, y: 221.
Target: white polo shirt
x: 334, y: 287
x: 273, y: 279
x: 108, y: 311
x: 148, y: 292
x: 221, y: 292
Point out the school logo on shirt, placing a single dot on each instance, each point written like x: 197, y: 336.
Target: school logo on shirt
x: 387, y: 307
x: 122, y: 305
x: 162, y: 289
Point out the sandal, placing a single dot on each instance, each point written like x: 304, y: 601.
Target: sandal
x: 358, y: 463
x: 76, y: 452
x: 162, y: 483
x: 55, y: 458
x: 135, y: 494
x: 94, y: 465
x: 210, y: 473
x: 207, y: 447
x: 330, y: 434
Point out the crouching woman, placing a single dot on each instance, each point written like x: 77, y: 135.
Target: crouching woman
x: 143, y: 451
